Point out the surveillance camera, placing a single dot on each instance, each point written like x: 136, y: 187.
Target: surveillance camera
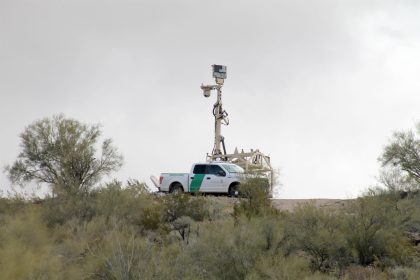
x: 206, y: 90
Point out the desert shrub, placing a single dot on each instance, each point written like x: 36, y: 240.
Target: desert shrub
x: 130, y: 234
x: 373, y: 232
x: 12, y: 206
x: 182, y: 212
x: 402, y: 207
x: 179, y: 205
x: 132, y: 204
x: 124, y: 255
x: 59, y: 210
x: 104, y: 249
x: 226, y: 249
x: 318, y: 233
x: 26, y: 251
x: 172, y: 262
x: 364, y: 273
x: 404, y: 273
x: 74, y: 244
x: 292, y: 267
x: 271, y: 232
x: 254, y: 197
x: 219, y: 207
x: 112, y: 200
x: 183, y: 226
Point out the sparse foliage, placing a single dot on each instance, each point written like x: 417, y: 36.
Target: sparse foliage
x: 319, y: 233
x: 254, y: 194
x: 373, y: 232
x: 62, y: 153
x: 404, y: 153
x: 121, y: 231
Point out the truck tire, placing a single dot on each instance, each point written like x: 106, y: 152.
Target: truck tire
x: 176, y: 188
x: 233, y: 190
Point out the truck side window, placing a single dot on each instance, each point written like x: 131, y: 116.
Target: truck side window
x: 215, y: 170
x: 199, y: 169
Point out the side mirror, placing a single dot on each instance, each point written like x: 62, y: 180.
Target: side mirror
x: 221, y: 173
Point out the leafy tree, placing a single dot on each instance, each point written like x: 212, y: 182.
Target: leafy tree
x: 62, y: 153
x: 404, y: 152
x: 397, y: 182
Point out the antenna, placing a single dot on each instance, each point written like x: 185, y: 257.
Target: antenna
x: 253, y: 161
x: 220, y: 115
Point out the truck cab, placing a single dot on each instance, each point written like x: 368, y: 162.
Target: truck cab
x: 213, y: 177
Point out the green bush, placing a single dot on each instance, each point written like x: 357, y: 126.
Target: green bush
x: 318, y: 233
x: 179, y: 205
x: 123, y: 255
x: 224, y: 251
x: 123, y: 232
x: 373, y: 232
x: 254, y: 198
x: 26, y: 249
x: 59, y: 210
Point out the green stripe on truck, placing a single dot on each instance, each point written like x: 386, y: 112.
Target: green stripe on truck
x: 196, y: 182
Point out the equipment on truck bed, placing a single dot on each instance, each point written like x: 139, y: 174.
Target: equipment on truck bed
x: 253, y: 161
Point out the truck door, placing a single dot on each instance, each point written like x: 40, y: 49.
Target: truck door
x: 197, y: 178
x: 215, y: 179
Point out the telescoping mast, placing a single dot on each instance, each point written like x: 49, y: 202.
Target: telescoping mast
x: 252, y: 161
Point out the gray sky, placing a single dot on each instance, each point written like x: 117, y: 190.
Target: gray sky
x: 318, y: 85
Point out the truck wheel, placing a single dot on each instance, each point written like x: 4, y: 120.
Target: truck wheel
x: 234, y: 190
x: 176, y: 189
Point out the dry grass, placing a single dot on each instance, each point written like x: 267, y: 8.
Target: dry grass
x: 291, y: 204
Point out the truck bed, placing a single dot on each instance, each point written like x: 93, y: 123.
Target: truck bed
x: 169, y: 178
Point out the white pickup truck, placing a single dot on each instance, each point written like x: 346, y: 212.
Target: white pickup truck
x: 213, y: 177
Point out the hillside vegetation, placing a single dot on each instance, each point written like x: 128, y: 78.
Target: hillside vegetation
x: 116, y: 230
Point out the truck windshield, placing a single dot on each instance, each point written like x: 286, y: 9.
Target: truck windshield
x: 231, y: 168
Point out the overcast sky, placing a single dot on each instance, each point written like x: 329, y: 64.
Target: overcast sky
x: 318, y: 85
